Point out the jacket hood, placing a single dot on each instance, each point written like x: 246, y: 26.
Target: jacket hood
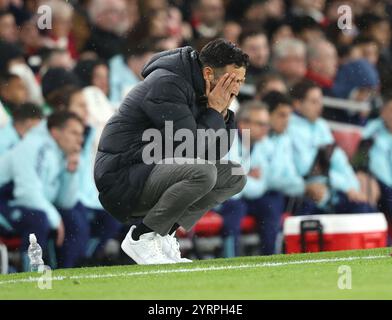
x: 356, y: 74
x: 183, y: 62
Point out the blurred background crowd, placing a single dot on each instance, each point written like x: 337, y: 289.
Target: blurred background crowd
x: 316, y: 100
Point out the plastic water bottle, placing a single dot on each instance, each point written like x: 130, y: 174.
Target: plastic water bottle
x: 35, y: 253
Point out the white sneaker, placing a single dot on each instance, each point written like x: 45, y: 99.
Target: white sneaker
x: 146, y: 250
x: 171, y: 248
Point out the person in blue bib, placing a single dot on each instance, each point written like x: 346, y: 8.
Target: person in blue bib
x: 24, y: 118
x: 88, y: 226
x: 257, y: 198
x: 332, y: 184
x: 38, y: 177
x: 379, y: 131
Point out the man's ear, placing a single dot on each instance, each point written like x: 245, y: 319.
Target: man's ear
x: 208, y: 73
x: 55, y: 132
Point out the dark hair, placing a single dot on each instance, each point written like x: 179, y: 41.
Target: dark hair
x: 272, y: 25
x: 367, y: 20
x: 361, y: 39
x: 265, y: 78
x: 251, y: 32
x: 85, y: 70
x: 55, y: 79
x: 300, y: 24
x: 59, y: 119
x: 219, y: 53
x: 26, y: 111
x: 8, y: 52
x: 60, y: 99
x: 5, y: 13
x: 274, y: 99
x: 301, y: 89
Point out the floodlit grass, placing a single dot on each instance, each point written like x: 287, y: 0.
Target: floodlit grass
x: 300, y: 276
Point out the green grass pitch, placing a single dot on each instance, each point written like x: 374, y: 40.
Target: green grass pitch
x: 299, y: 276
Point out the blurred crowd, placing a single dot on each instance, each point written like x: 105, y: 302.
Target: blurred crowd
x: 66, y: 66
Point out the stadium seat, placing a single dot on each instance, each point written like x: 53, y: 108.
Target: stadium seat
x: 209, y: 225
x: 347, y: 140
x: 12, y: 243
x: 248, y: 224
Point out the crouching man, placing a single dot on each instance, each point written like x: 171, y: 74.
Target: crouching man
x: 189, y: 91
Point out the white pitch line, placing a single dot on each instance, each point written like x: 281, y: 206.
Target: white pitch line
x: 197, y: 269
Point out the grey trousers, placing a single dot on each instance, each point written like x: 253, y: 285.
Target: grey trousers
x: 182, y: 193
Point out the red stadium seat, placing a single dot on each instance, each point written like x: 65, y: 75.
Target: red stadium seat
x: 347, y: 140
x: 12, y: 243
x: 248, y: 224
x: 209, y: 225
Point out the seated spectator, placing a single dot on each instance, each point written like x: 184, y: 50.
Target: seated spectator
x: 359, y: 81
x: 24, y: 118
x: 29, y: 36
x: 93, y: 72
x: 60, y: 35
x: 255, y: 44
x: 377, y: 27
x: 54, y: 87
x: 40, y: 173
x: 12, y: 60
x: 283, y: 175
x: 289, y: 59
x: 278, y: 30
x: 87, y: 226
x: 29, y: 80
x: 10, y: 54
x: 267, y: 206
x: 179, y: 30
x: 13, y: 92
x: 340, y: 37
x: 231, y: 31
x: 322, y: 64
x: 8, y: 29
x: 109, y: 24
x: 307, y: 29
x: 270, y: 82
x: 210, y: 19
x: 368, y: 48
x: 125, y: 70
x: 380, y: 162
x: 258, y: 12
x: 334, y: 186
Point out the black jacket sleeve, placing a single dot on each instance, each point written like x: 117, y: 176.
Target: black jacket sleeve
x: 170, y: 101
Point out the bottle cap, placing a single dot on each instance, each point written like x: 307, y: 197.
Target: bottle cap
x: 32, y: 238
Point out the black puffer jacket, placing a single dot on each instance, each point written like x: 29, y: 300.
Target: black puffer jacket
x: 173, y: 90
